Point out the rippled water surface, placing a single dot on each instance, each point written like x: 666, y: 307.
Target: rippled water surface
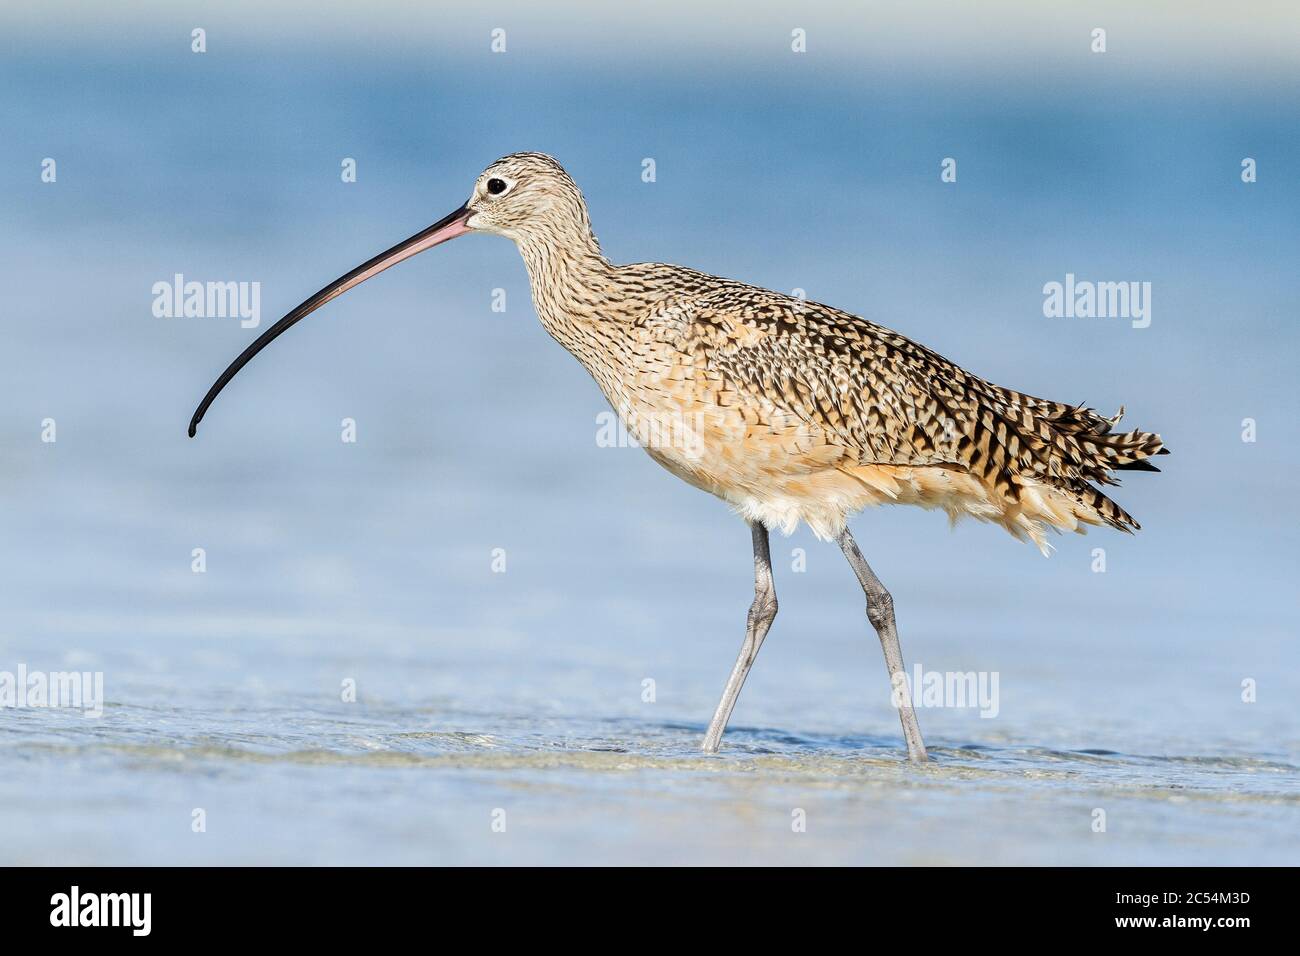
x: 287, y: 777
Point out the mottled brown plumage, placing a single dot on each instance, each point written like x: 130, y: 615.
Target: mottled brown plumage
x: 794, y: 410
x: 789, y: 410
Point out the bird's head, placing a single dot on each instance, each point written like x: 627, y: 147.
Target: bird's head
x: 528, y: 197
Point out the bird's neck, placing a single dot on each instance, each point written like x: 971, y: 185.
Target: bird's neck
x: 572, y: 284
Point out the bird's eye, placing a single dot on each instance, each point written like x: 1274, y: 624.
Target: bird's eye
x: 496, y: 186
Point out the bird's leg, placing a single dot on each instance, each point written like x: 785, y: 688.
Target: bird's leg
x: 761, y: 614
x: 880, y: 611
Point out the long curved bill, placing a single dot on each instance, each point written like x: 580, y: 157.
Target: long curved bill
x: 446, y: 228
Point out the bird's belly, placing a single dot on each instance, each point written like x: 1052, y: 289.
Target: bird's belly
x: 773, y: 470
x: 780, y: 472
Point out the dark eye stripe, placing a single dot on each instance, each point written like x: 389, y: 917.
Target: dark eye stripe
x: 496, y: 186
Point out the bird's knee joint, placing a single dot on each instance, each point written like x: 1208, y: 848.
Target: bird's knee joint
x: 764, y: 607
x: 880, y: 609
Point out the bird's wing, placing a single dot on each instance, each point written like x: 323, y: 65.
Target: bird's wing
x: 892, y: 400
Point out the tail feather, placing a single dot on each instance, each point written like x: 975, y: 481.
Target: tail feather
x: 1083, y: 451
x: 1141, y: 465
x: 1106, y: 509
x: 1054, y: 455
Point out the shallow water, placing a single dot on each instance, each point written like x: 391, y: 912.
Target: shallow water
x: 365, y: 787
x: 284, y: 776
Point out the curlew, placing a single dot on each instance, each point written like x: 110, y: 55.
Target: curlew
x: 788, y: 410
